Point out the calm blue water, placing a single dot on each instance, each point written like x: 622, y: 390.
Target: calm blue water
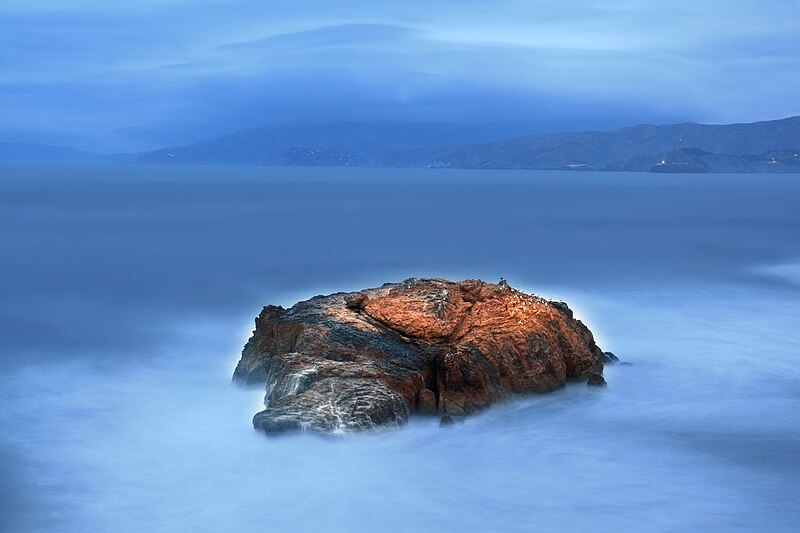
x: 126, y: 294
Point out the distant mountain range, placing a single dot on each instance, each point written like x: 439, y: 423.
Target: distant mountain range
x: 689, y: 147
x: 769, y: 146
x: 327, y: 144
x: 757, y: 147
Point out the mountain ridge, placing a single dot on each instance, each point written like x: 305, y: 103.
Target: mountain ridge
x: 748, y: 144
x: 765, y: 146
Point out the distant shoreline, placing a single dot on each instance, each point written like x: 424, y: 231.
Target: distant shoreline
x: 759, y: 147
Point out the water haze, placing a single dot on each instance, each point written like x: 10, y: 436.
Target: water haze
x: 128, y: 293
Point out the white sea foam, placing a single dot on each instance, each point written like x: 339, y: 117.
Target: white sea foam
x: 118, y: 334
x: 167, y: 445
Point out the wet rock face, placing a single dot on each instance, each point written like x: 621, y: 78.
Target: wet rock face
x: 354, y: 361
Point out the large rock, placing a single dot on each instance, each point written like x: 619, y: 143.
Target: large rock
x: 352, y: 361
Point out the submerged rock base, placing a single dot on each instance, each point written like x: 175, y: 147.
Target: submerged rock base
x: 354, y: 361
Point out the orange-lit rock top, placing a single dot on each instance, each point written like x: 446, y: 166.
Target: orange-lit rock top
x: 368, y: 359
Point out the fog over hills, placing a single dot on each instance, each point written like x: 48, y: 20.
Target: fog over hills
x: 705, y: 148
x: 328, y: 144
x: 768, y: 146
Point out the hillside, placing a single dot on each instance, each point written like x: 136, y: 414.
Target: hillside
x: 713, y: 148
x: 327, y: 144
x: 768, y: 146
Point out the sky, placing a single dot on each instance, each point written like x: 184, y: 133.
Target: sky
x: 134, y: 75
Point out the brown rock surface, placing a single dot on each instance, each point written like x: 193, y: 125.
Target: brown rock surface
x: 368, y: 359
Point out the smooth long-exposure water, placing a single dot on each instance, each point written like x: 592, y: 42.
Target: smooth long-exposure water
x: 126, y: 294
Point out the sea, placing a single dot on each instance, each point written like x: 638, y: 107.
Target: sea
x: 127, y: 293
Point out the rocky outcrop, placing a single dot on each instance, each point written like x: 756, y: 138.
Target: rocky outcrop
x: 353, y: 361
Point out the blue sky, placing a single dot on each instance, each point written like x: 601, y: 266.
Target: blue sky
x: 132, y: 75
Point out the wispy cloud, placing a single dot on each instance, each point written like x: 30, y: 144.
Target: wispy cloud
x: 134, y: 74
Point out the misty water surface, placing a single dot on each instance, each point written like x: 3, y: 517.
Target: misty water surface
x: 128, y: 292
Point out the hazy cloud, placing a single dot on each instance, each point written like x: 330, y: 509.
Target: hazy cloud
x: 139, y: 74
